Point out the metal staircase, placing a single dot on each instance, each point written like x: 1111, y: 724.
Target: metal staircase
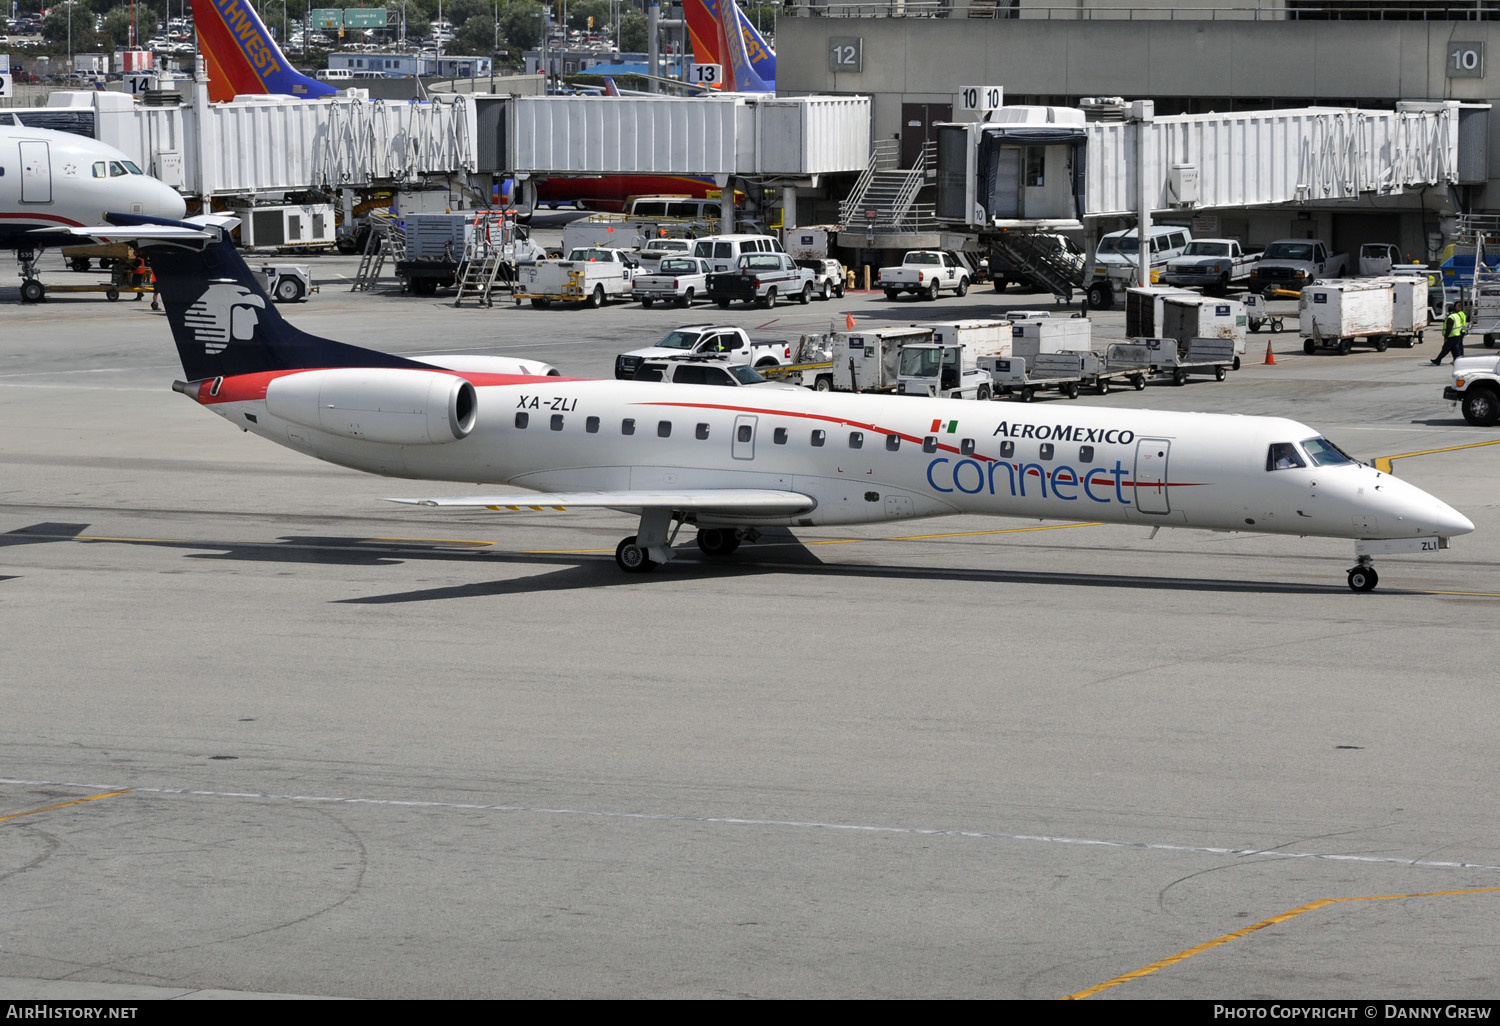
x: 1038, y: 257
x: 386, y: 240
x: 884, y: 197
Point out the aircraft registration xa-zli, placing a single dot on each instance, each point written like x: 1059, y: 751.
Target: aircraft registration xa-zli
x: 57, y: 179
x: 731, y: 460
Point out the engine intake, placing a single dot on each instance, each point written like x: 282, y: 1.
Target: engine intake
x: 377, y: 404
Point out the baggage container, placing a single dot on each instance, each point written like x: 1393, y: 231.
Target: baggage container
x: 1338, y: 314
x: 1185, y: 317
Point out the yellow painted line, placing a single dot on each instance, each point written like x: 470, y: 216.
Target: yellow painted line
x: 1182, y: 956
x: 1383, y: 463
x: 1466, y: 594
x: 64, y: 805
x: 431, y: 541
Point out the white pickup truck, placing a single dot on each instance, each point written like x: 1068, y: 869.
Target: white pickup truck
x: 708, y: 338
x: 1476, y: 388
x: 1292, y: 263
x: 1210, y: 264
x: 680, y: 279
x: 589, y: 275
x: 926, y: 273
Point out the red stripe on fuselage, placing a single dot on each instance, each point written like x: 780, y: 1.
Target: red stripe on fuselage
x: 242, y: 388
x: 915, y: 439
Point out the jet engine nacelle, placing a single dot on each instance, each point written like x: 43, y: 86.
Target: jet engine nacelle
x: 377, y: 404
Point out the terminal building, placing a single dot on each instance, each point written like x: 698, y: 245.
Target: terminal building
x: 913, y: 57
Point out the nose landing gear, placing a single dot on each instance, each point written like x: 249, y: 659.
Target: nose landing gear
x: 1363, y: 577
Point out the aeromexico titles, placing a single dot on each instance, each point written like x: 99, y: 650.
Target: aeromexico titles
x: 729, y: 461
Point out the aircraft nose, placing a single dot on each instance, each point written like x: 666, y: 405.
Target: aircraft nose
x: 168, y: 203
x: 1448, y: 521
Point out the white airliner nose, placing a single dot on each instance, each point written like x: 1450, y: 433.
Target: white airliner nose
x: 1448, y: 521
x: 166, y: 202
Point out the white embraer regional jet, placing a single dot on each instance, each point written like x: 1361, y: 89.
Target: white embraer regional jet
x: 56, y: 179
x: 731, y: 460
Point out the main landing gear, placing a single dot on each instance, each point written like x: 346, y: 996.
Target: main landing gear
x: 651, y: 545
x: 1362, y: 577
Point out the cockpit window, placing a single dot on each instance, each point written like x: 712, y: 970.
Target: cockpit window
x: 1284, y: 456
x: 116, y: 169
x: 1324, y: 453
x: 130, y: 166
x: 101, y: 169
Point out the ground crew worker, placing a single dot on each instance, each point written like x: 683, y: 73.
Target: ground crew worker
x: 1455, y: 325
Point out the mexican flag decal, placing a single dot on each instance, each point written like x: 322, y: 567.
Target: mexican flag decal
x: 938, y: 426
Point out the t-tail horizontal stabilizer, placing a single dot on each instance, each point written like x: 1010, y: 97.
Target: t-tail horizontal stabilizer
x: 223, y: 322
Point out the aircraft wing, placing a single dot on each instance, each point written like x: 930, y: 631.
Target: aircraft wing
x: 125, y: 234
x: 764, y: 502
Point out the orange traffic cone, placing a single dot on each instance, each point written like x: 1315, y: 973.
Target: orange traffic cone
x: 1270, y: 356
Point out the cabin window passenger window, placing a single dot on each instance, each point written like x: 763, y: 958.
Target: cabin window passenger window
x: 664, y: 429
x: 892, y: 442
x: 522, y: 419
x: 702, y: 432
x: 744, y: 432
x: 929, y: 444
x: 627, y: 426
x: 856, y: 439
x: 1283, y: 456
x: 1007, y: 450
x: 557, y: 421
x: 779, y: 436
x: 1046, y: 450
x: 591, y: 425
x: 1086, y: 454
x: 966, y: 446
x: 818, y: 437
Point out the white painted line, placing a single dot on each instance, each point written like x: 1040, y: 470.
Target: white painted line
x: 786, y: 824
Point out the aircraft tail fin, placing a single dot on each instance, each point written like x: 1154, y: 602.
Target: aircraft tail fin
x: 610, y: 89
x: 242, y: 56
x: 721, y: 34
x: 223, y: 322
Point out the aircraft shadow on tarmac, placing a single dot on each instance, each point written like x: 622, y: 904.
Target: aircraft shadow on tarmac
x: 780, y: 552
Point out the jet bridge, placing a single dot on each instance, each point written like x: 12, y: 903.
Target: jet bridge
x: 277, y: 144
x: 1047, y: 168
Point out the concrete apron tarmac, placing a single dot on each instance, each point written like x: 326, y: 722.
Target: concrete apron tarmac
x: 332, y: 747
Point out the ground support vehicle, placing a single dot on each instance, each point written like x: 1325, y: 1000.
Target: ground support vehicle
x: 1040, y: 261
x: 1178, y: 359
x: 709, y: 338
x: 948, y: 366
x: 870, y: 361
x: 1296, y: 263
x: 680, y: 280
x: 1210, y: 264
x: 1376, y: 259
x: 1185, y: 317
x: 434, y: 247
x: 811, y: 364
x: 656, y: 250
x: 587, y: 277
x: 761, y: 278
x: 1116, y: 267
x: 925, y: 273
x: 1266, y: 310
x: 702, y: 369
x: 1410, y: 308
x: 828, y: 277
x: 288, y: 283
x: 1023, y: 377
x: 1476, y: 388
x: 1338, y: 315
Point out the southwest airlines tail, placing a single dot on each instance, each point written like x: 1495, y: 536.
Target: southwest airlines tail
x: 242, y: 57
x: 721, y: 34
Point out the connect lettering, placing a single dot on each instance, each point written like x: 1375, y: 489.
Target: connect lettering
x: 1103, y: 485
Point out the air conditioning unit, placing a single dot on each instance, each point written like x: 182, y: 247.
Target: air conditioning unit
x: 1182, y: 185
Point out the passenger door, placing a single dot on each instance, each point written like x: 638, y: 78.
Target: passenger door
x: 36, y: 172
x: 1151, y: 455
